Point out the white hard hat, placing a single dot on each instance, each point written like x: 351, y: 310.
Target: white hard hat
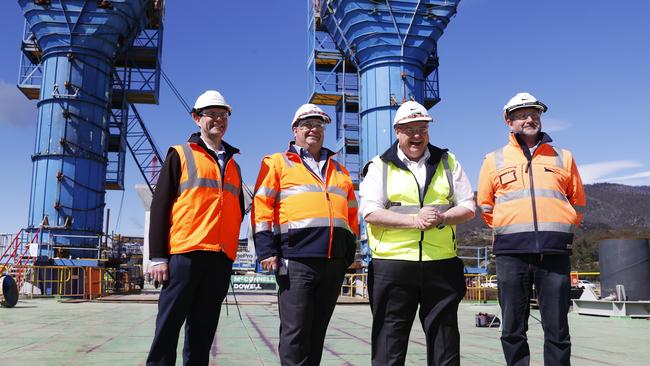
x: 211, y: 98
x: 523, y: 100
x: 411, y: 111
x: 309, y: 110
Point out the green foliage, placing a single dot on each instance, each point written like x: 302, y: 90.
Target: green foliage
x: 585, y: 245
x: 614, y: 211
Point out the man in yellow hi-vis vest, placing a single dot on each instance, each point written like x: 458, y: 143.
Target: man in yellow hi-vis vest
x: 412, y: 196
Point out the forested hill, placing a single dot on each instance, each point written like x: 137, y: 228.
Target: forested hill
x: 613, y: 211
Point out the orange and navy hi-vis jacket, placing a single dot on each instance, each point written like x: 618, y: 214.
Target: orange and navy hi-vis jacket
x: 206, y: 214
x: 532, y: 203
x: 297, y: 215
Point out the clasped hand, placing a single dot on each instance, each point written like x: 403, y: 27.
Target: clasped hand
x: 428, y: 218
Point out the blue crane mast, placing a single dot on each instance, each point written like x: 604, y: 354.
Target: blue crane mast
x: 366, y: 58
x: 87, y: 63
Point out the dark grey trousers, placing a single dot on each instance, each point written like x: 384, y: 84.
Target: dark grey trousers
x: 306, y: 299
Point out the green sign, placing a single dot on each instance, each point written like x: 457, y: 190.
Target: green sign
x: 253, y: 283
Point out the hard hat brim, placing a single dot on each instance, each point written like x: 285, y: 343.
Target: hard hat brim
x: 322, y: 116
x: 538, y: 105
x: 406, y: 120
x: 199, y: 110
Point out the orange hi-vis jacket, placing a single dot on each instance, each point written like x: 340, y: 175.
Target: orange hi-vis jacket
x: 297, y: 215
x: 206, y: 215
x: 532, y: 203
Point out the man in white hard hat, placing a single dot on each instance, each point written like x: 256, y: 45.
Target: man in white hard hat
x: 531, y: 195
x: 196, y: 213
x: 412, y: 197
x: 305, y: 224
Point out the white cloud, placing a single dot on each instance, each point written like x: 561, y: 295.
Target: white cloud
x: 598, y: 172
x: 15, y: 109
x: 641, y: 178
x: 554, y: 124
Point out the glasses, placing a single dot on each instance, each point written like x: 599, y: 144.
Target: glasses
x: 216, y: 115
x: 414, y: 130
x: 308, y: 125
x: 523, y: 115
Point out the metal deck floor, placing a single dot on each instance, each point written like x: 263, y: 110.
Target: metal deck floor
x: 48, y: 332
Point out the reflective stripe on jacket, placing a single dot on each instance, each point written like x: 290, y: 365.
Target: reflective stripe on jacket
x: 532, y: 203
x: 297, y: 215
x: 403, y: 194
x: 206, y: 214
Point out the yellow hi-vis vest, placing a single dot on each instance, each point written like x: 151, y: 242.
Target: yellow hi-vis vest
x: 403, y: 195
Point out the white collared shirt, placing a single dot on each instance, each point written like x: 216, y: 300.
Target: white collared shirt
x: 317, y: 167
x: 221, y: 155
x: 532, y: 149
x: 373, y: 195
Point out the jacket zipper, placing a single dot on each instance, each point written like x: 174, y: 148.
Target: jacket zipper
x: 421, y: 199
x: 329, y: 207
x: 327, y: 198
x: 529, y: 169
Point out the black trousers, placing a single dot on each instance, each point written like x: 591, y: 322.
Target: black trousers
x: 306, y: 299
x: 551, y: 276
x: 198, y: 283
x: 396, y: 289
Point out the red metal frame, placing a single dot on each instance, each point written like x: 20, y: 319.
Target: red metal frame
x: 19, y: 262
x: 13, y: 242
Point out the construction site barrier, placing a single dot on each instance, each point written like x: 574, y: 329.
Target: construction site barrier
x: 478, y: 286
x: 92, y: 282
x: 60, y: 281
x: 355, y: 285
x: 593, y: 277
x: 72, y: 281
x: 481, y: 288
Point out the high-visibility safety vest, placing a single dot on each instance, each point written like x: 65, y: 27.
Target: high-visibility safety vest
x: 206, y: 215
x: 297, y: 215
x: 532, y: 203
x: 403, y: 194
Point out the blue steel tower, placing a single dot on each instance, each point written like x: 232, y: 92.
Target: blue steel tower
x: 80, y: 61
x: 366, y: 58
x: 391, y: 46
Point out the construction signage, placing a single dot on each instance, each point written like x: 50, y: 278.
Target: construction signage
x: 245, y: 256
x: 253, y: 282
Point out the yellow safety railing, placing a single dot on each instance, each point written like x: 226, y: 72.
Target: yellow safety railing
x: 477, y: 287
x: 593, y: 277
x: 590, y: 275
x: 67, y: 281
x: 355, y: 285
x: 64, y: 281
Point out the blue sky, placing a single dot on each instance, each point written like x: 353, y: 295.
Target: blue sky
x: 589, y: 61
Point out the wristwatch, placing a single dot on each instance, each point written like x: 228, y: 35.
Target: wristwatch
x: 441, y: 225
